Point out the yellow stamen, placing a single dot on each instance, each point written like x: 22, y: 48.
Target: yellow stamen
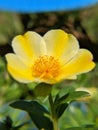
x: 46, y: 67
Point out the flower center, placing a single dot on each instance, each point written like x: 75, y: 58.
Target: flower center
x: 46, y: 67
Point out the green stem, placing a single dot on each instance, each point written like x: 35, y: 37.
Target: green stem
x: 55, y: 124
x: 53, y: 114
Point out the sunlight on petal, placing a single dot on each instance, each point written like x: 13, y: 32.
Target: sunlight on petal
x: 15, y: 61
x: 37, y: 43
x: 61, y: 45
x: 20, y: 75
x: 18, y: 69
x: 29, y: 46
x: 81, y: 63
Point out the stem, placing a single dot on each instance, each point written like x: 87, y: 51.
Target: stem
x: 55, y: 124
x: 53, y: 114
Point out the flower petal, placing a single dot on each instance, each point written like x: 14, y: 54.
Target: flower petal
x: 61, y: 45
x: 72, y: 77
x: 18, y: 69
x: 29, y: 46
x: 81, y: 63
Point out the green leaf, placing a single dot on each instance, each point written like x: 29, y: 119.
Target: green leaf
x: 81, y: 128
x: 67, y: 89
x: 76, y: 95
x: 7, y: 124
x: 60, y: 109
x: 71, y: 97
x: 37, y: 112
x: 61, y: 99
x: 59, y: 106
x: 42, y: 89
x: 3, y: 126
x: 21, y: 125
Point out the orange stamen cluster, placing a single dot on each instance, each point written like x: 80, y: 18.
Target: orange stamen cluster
x: 46, y: 67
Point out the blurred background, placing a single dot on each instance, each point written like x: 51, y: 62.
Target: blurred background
x: 77, y: 17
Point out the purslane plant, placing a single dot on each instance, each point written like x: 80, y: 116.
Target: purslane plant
x: 47, y: 60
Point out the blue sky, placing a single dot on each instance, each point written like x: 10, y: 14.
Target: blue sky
x: 43, y: 5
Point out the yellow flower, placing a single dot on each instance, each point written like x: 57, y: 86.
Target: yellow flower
x: 54, y: 57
